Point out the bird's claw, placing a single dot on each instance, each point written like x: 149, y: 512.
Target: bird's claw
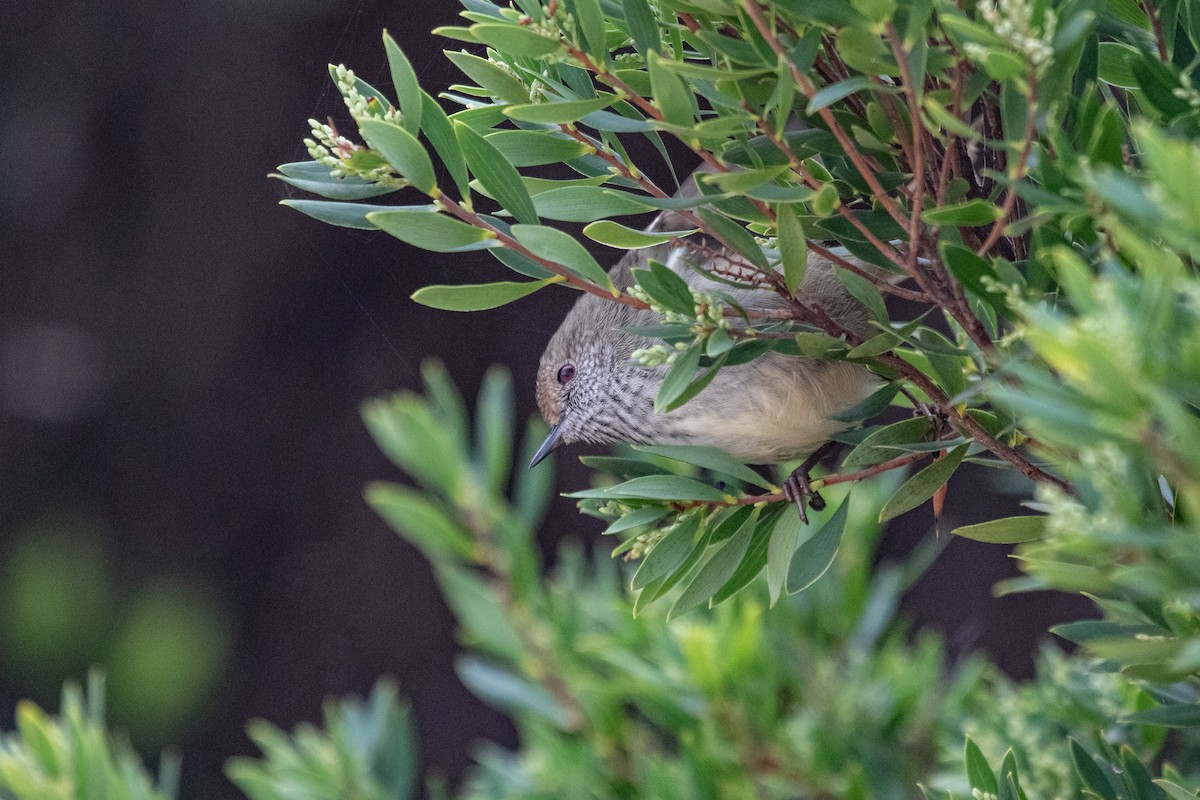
x: 798, y: 489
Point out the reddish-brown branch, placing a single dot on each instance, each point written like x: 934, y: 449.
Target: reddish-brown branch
x: 806, y: 86
x: 1156, y: 21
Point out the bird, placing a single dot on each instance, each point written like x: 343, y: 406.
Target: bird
x: 773, y: 409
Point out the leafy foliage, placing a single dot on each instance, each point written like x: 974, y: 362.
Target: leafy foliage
x: 73, y: 756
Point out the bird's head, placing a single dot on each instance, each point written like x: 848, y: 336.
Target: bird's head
x: 586, y: 388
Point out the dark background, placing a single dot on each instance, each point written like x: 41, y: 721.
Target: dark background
x: 181, y: 367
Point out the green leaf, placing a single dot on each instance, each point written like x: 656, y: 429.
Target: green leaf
x: 659, y: 487
x: 517, y: 40
x: 495, y: 174
x: 492, y: 77
x: 1177, y: 716
x: 1009, y: 530
x: 419, y: 521
x: 563, y: 248
x: 1173, y: 789
x: 1089, y: 772
x: 793, y: 246
x: 643, y: 25
x: 586, y: 204
x: 866, y: 293
x: 734, y: 235
x: 314, y: 177
x: 344, y: 215
x: 429, y: 230
x: 614, y: 234
x: 920, y: 487
x: 535, y: 148
x: 478, y: 296
x: 440, y: 134
x: 836, y: 91
x: 742, y: 181
x: 785, y: 537
x: 408, y: 88
x: 880, y: 445
x: 826, y: 200
x: 678, y: 378
x: 718, y: 570
x: 979, y: 774
x: 636, y: 519
x: 1137, y: 777
x: 815, y: 555
x: 557, y: 112
x: 501, y: 689
x: 669, y: 553
x: 590, y: 19
x: 671, y: 93
x: 1009, y: 777
x: 968, y: 215
x: 709, y: 458
x: 666, y: 288
x: 402, y: 150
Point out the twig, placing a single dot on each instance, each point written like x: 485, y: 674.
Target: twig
x: 1156, y: 21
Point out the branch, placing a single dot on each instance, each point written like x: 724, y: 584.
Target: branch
x: 1010, y: 200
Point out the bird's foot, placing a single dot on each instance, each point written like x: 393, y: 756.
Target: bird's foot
x: 798, y: 486
x: 798, y: 489
x: 937, y: 418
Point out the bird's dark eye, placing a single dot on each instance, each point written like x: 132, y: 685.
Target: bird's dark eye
x: 565, y: 373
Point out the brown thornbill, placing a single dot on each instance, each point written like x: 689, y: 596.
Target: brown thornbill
x: 775, y: 408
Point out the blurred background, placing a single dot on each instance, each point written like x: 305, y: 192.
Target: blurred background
x: 181, y: 367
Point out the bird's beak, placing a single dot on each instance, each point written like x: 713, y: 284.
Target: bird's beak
x: 548, y: 445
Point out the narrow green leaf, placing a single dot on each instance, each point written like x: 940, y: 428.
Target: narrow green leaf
x: 1089, y: 772
x: 1178, y: 716
x: 586, y: 204
x: 557, y: 112
x: 440, y: 134
x: 614, y: 234
x: 756, y: 556
x: 643, y: 25
x: 590, y: 19
x: 491, y: 77
x: 501, y: 689
x: 563, y: 248
x: 478, y: 296
x: 658, y: 487
x: 636, y: 519
x: 969, y: 214
x: 785, y: 537
x: 428, y: 230
x: 311, y: 176
x: 1009, y: 530
x: 517, y: 40
x: 866, y: 293
x: 681, y: 373
x: 344, y: 215
x: 669, y: 553
x: 836, y: 91
x: 735, y: 236
x: 1175, y: 791
x: 671, y: 93
x: 718, y: 570
x: 1137, y: 777
x: 920, y: 487
x: 1009, y: 777
x: 815, y: 555
x: 495, y: 174
x: 881, y: 444
x: 402, y: 150
x: 709, y: 458
x: 535, y: 148
x: 408, y: 88
x: 696, y: 386
x: 979, y: 774
x: 793, y: 246
x: 666, y: 288
x: 419, y: 521
x: 742, y: 181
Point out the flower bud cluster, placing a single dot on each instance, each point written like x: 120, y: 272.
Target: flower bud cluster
x: 359, y: 105
x: 1012, y: 20
x: 646, y: 542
